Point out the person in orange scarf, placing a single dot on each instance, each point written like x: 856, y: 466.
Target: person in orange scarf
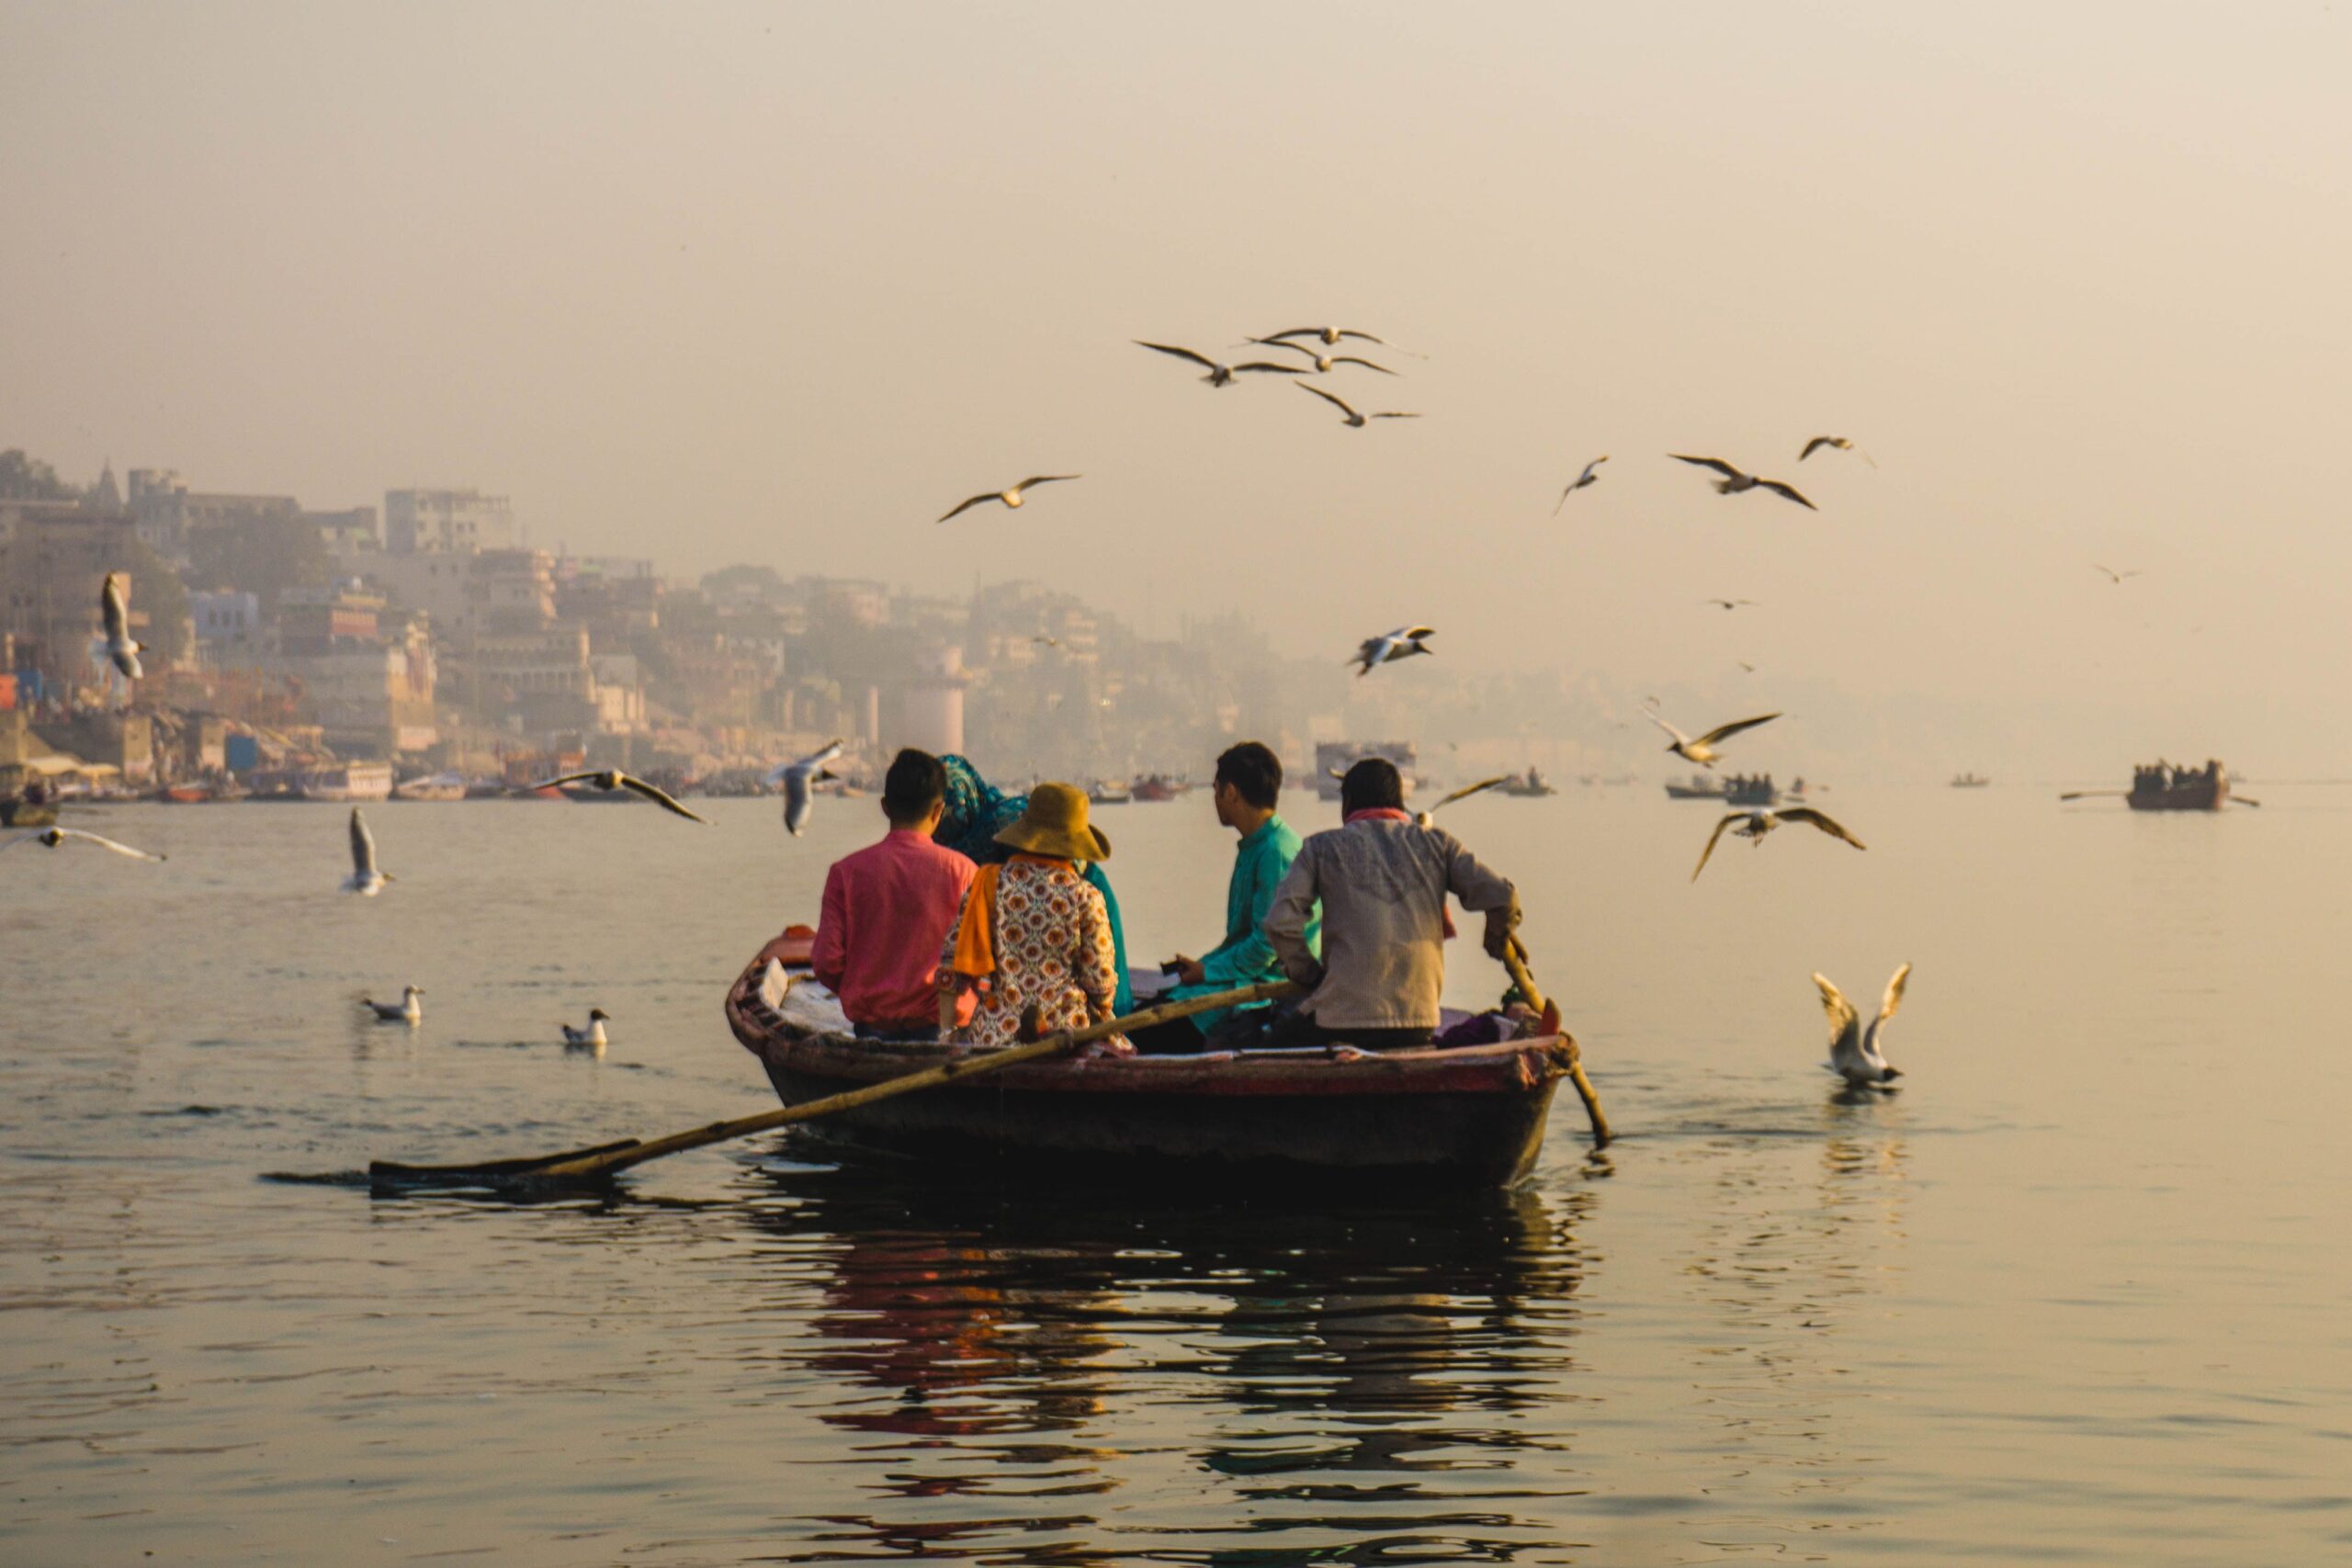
x: 1033, y: 937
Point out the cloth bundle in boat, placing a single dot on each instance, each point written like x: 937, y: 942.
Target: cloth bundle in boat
x: 802, y: 1002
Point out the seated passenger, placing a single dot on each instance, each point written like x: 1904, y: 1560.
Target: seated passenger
x: 1382, y: 880
x: 977, y: 812
x: 887, y: 908
x: 1249, y: 784
x: 1035, y: 931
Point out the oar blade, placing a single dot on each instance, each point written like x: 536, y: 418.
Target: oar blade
x: 498, y: 1172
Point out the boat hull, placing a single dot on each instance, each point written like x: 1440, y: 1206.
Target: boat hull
x: 1473, y: 1116
x: 27, y: 814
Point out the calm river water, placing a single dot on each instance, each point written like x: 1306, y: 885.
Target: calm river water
x: 2078, y: 1292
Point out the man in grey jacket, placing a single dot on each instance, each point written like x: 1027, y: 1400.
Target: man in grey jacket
x: 1382, y: 881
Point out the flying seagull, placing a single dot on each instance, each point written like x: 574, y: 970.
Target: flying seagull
x: 1582, y: 479
x: 1011, y: 498
x: 1355, y: 421
x: 58, y: 837
x: 1728, y: 604
x: 1327, y: 334
x: 591, y: 1038
x: 365, y: 879
x: 114, y: 610
x: 1854, y: 1055
x: 2116, y: 577
x: 1218, y: 374
x: 1756, y: 824
x: 796, y: 777
x: 612, y: 779
x: 1323, y: 362
x: 404, y: 1010
x: 1734, y: 481
x: 1428, y: 818
x: 1402, y: 643
x: 1835, y: 443
x: 1701, y: 750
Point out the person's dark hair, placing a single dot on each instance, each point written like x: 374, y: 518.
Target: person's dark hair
x: 1254, y: 771
x: 914, y: 784
x: 1371, y: 784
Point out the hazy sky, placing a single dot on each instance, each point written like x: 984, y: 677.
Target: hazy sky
x: 719, y: 282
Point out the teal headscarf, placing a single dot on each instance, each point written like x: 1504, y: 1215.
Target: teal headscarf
x: 978, y: 811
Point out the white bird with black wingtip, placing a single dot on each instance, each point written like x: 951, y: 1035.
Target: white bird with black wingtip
x: 797, y: 779
x: 1390, y: 647
x: 591, y: 1038
x: 365, y: 879
x: 1854, y: 1053
x: 405, y: 1011
x: 58, y: 837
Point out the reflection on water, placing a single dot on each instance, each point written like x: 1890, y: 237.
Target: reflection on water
x: 2076, y: 1292
x: 1363, y: 1369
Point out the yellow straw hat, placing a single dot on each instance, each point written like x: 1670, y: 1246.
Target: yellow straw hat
x: 1055, y: 824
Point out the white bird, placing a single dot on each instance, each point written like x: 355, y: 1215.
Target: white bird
x: 1734, y: 481
x: 1854, y: 1053
x: 1837, y: 443
x: 1218, y: 374
x: 58, y: 837
x: 1330, y: 335
x: 2116, y: 577
x: 1582, y: 479
x: 365, y: 879
x: 1701, y: 750
x: 1323, y: 362
x: 1355, y: 421
x: 1728, y: 604
x: 1011, y: 498
x: 1756, y: 824
x: 612, y: 779
x: 114, y: 610
x: 1402, y: 643
x: 1428, y: 818
x: 795, y: 778
x: 404, y: 1010
x: 591, y: 1038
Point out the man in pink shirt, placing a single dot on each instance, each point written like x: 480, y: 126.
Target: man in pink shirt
x: 887, y: 910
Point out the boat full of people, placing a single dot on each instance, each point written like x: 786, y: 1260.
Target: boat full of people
x: 1732, y: 789
x: 2161, y: 786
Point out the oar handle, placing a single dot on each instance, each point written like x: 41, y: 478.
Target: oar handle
x: 1515, y: 961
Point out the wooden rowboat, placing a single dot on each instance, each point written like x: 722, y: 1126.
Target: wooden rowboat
x: 1472, y: 1115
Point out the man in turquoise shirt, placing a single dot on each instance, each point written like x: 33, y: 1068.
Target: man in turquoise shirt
x: 1248, y: 785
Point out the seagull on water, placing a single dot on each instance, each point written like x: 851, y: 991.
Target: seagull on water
x: 1835, y: 443
x: 1582, y: 479
x: 404, y: 1010
x: 1728, y: 604
x: 1854, y: 1055
x: 1355, y: 421
x: 1011, y: 498
x: 612, y: 779
x: 1756, y: 824
x: 591, y: 1038
x: 365, y: 879
x: 1218, y: 374
x: 2116, y: 577
x: 1323, y: 362
x: 1389, y: 647
x: 1428, y: 818
x: 114, y: 609
x: 795, y: 778
x: 1734, y: 481
x: 58, y: 837
x: 1701, y: 750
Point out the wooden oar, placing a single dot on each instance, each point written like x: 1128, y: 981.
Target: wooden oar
x: 1515, y: 960
x: 605, y: 1160
x: 2090, y: 794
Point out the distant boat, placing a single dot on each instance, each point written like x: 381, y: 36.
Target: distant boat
x: 1529, y: 786
x: 22, y: 813
x: 2160, y: 786
x: 437, y: 786
x: 1110, y: 792
x: 1970, y: 780
x: 1157, y: 787
x: 336, y: 781
x: 1739, y: 789
x: 1334, y: 757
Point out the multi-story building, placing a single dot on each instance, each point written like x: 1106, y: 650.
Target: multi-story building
x: 228, y: 625
x: 446, y: 522
x: 170, y: 517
